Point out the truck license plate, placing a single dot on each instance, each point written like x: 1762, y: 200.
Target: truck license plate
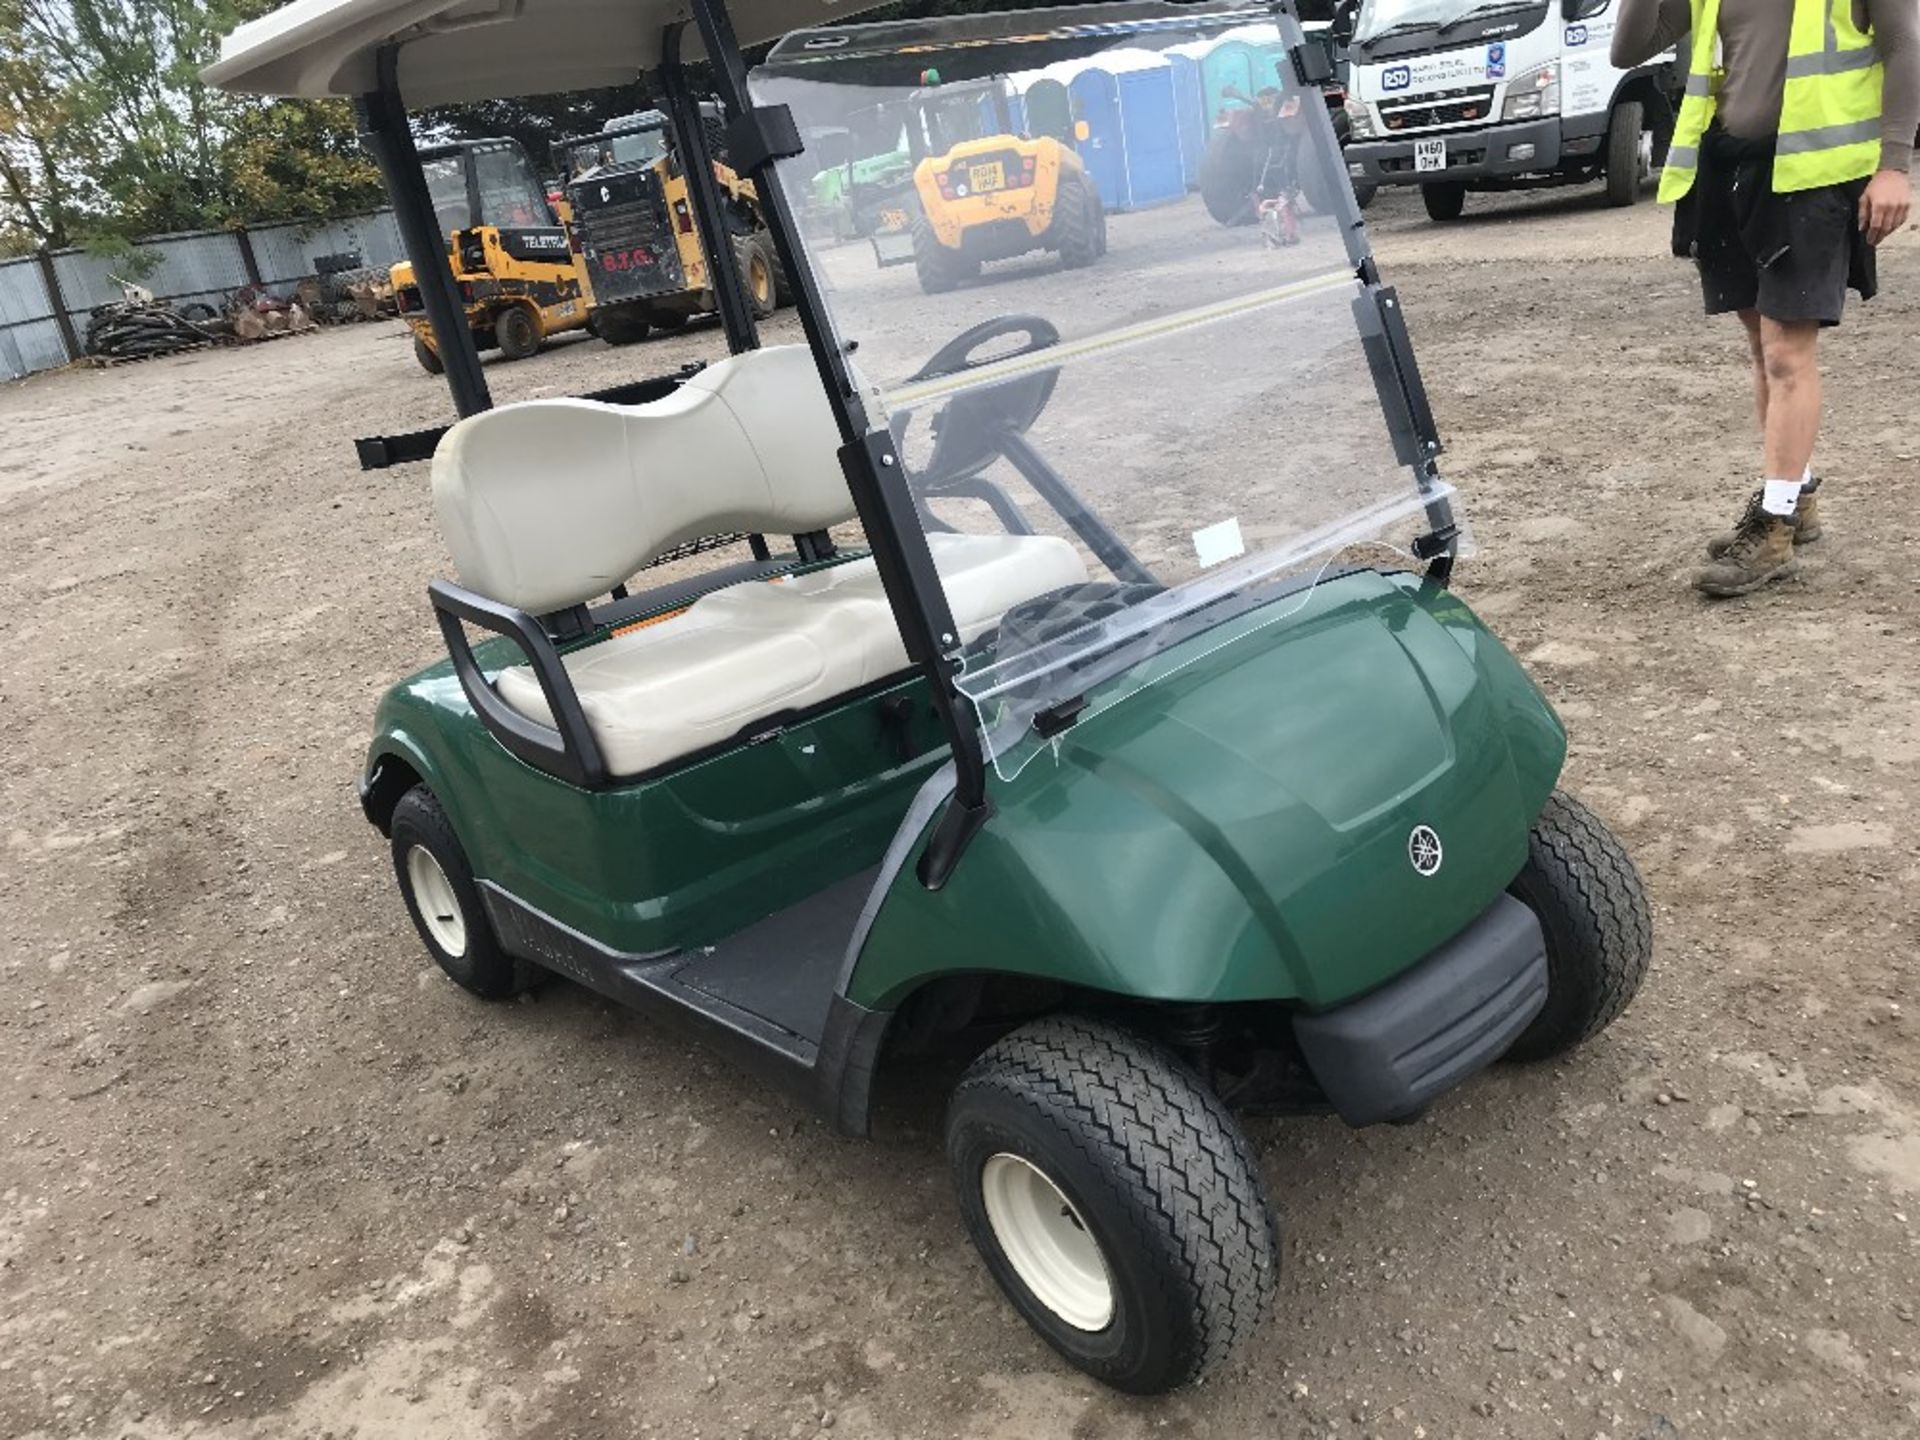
x: 991, y: 176
x: 1429, y: 155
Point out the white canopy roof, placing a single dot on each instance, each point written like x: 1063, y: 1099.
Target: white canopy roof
x: 459, y: 50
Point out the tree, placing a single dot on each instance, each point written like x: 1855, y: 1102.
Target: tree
x: 297, y: 160
x: 107, y: 132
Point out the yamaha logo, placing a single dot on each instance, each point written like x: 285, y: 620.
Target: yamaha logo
x: 1423, y: 849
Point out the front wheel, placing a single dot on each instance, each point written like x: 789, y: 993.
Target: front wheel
x: 437, y: 884
x: 1592, y: 907
x: 1365, y: 194
x: 1078, y: 223
x: 1114, y: 1200
x: 1629, y: 153
x: 518, y: 331
x: 1445, y: 200
x: 753, y: 257
x: 428, y: 357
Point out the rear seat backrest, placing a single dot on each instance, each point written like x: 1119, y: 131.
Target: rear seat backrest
x: 551, y: 503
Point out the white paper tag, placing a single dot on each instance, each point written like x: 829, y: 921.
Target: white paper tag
x: 1218, y: 543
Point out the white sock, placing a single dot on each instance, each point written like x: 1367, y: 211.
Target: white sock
x: 1779, y: 497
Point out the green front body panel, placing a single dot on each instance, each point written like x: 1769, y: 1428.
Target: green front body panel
x: 1238, y: 829
x: 685, y: 859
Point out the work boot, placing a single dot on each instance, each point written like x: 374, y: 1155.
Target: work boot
x: 1806, y: 522
x: 1761, y: 551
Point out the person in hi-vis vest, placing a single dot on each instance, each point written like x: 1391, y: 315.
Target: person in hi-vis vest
x: 1788, y: 165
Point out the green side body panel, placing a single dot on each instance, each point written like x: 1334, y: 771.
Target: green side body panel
x: 682, y: 860
x: 1236, y: 830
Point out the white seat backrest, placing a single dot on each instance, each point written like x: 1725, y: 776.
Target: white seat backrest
x: 550, y: 503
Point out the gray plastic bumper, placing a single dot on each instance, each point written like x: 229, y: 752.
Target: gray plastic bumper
x: 1388, y: 1055
x: 1490, y: 154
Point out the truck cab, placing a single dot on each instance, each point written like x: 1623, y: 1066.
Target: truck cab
x: 1463, y: 95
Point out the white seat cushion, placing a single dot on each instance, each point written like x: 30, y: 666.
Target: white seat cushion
x: 550, y: 503
x: 755, y: 650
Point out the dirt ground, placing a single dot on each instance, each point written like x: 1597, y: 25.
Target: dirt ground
x: 265, y: 1174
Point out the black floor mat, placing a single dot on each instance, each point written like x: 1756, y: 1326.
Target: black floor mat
x: 784, y: 968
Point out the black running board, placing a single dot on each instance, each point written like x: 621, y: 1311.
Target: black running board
x: 817, y: 1045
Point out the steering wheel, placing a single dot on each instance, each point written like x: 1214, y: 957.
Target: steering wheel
x: 968, y: 431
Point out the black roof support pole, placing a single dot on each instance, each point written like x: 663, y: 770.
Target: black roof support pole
x: 876, y: 476
x: 696, y: 163
x: 383, y: 122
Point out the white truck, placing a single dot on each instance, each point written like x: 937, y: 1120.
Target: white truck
x: 1459, y: 95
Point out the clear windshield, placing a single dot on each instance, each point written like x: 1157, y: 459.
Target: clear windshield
x: 1377, y: 17
x: 617, y: 152
x: 1168, y: 395
x: 510, y: 193
x: 447, y: 184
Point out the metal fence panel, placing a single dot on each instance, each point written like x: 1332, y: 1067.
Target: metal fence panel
x: 34, y: 345
x: 198, y: 264
x: 29, y: 338
x: 23, y: 294
x: 287, y: 252
x: 203, y: 267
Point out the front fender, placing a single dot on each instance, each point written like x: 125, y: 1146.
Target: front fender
x: 1240, y: 830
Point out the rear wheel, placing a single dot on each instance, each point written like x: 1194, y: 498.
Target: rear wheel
x: 1445, y: 199
x: 782, y: 286
x: 1078, y: 232
x: 1582, y: 885
x: 518, y: 331
x: 437, y: 884
x: 619, y: 325
x: 938, y: 267
x: 753, y: 257
x: 428, y: 357
x: 1114, y: 1200
x: 1629, y: 153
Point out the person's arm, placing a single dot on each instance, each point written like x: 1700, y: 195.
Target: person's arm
x: 1888, y: 200
x: 1646, y: 27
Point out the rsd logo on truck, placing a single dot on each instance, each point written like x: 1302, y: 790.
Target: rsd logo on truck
x: 1396, y: 77
x: 1497, y: 61
x: 1576, y: 35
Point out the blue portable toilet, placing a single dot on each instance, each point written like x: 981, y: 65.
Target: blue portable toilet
x: 1096, y: 104
x: 1132, y: 150
x: 1191, y: 121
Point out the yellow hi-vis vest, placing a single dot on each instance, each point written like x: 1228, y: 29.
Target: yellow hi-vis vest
x: 1829, y: 117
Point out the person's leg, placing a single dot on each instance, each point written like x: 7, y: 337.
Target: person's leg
x: 1751, y: 320
x: 1791, y: 369
x: 1759, y: 549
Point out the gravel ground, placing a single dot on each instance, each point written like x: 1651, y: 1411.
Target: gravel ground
x: 267, y: 1175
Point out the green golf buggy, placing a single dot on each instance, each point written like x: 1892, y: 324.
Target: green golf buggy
x: 1061, y: 676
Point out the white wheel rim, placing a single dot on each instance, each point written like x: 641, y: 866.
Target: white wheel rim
x: 439, y: 907
x: 1046, y: 1242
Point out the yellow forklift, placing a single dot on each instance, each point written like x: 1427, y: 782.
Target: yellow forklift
x: 983, y: 191
x: 632, y: 222
x: 519, y: 283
